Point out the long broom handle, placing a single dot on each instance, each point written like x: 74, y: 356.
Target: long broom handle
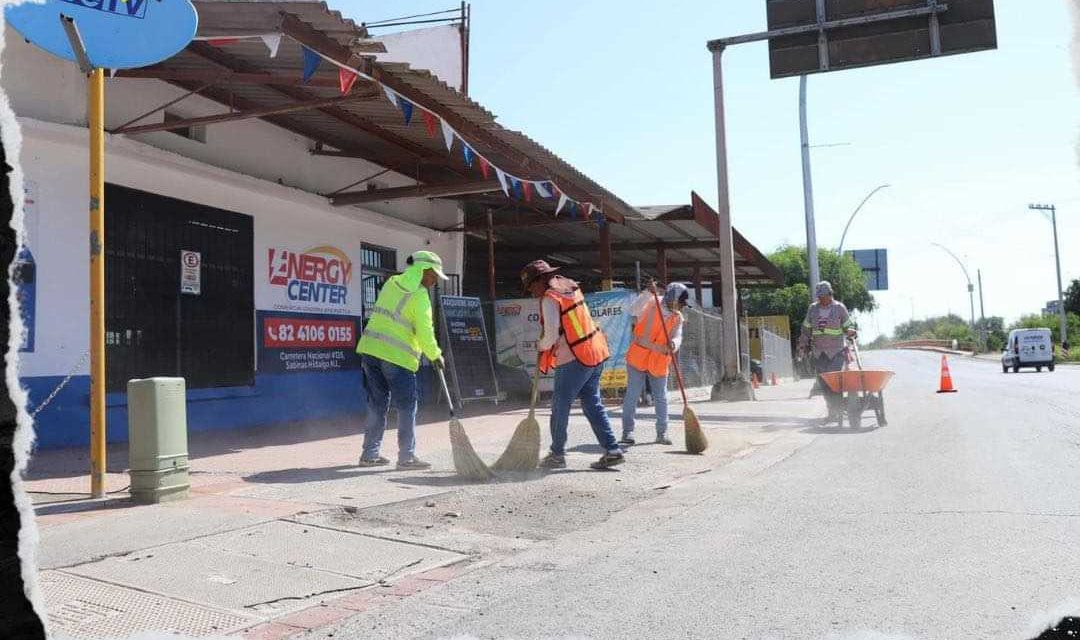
x: 535, y: 389
x: 674, y: 358
x: 446, y: 390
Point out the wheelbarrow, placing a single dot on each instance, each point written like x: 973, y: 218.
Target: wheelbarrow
x: 864, y: 389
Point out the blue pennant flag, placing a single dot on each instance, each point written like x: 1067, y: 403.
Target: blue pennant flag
x: 517, y: 189
x: 573, y: 209
x: 468, y: 153
x: 600, y: 219
x: 311, y: 63
x: 406, y: 109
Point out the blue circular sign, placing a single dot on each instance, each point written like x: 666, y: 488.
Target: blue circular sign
x: 117, y: 34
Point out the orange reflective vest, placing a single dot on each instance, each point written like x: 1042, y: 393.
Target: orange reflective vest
x: 645, y: 353
x: 587, y: 342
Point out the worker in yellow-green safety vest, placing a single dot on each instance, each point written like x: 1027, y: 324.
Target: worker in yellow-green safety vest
x: 823, y: 336
x: 400, y: 330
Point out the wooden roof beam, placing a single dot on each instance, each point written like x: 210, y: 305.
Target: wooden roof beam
x: 223, y: 77
x: 240, y: 115
x: 418, y: 191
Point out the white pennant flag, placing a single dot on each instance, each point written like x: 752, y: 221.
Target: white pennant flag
x: 562, y: 203
x: 272, y: 42
x: 390, y: 95
x: 541, y: 190
x: 502, y: 181
x: 448, y: 135
x: 112, y: 73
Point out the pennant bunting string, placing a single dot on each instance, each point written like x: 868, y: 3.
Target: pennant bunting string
x: 311, y: 63
x: 347, y: 76
x: 431, y: 122
x: 346, y: 79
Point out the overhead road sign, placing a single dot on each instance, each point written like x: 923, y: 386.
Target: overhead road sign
x: 811, y: 36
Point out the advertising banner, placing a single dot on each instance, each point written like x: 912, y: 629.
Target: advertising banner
x: 297, y: 342
x: 517, y: 330
x: 309, y: 309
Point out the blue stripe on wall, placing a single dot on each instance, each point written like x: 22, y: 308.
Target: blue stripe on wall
x: 275, y: 399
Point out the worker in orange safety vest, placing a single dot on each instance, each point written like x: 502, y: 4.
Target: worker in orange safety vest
x: 650, y: 354
x: 574, y: 348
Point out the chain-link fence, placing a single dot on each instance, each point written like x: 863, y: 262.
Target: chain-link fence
x: 775, y: 356
x: 701, y: 354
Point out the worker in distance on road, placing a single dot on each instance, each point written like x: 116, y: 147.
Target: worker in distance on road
x: 650, y: 353
x: 575, y: 348
x: 823, y: 337
x: 400, y: 330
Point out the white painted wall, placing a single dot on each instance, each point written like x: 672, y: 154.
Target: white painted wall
x: 437, y: 49
x: 54, y: 157
x: 46, y: 88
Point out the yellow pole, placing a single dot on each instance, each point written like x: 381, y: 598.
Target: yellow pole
x: 96, y: 115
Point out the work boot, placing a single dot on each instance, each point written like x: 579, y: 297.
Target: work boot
x: 608, y: 460
x: 372, y: 462
x: 413, y: 463
x: 628, y: 440
x: 553, y: 461
x: 663, y: 439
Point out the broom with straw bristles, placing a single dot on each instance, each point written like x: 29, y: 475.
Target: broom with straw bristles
x: 466, y: 462
x: 523, y: 452
x: 695, y: 437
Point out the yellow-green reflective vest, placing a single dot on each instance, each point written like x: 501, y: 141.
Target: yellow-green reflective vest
x: 401, y: 328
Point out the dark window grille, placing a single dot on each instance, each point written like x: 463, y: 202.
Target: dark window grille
x: 378, y: 264
x: 151, y: 329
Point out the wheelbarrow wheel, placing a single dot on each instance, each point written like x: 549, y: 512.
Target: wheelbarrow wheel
x: 854, y: 410
x: 879, y: 410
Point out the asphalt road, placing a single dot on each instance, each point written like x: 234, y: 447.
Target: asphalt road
x: 961, y: 519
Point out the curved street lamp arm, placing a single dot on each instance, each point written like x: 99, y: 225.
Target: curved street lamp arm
x: 840, y: 251
x: 958, y: 261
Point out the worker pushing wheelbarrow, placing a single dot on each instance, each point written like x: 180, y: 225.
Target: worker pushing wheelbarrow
x: 828, y: 338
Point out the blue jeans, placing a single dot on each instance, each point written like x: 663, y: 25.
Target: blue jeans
x: 575, y: 380
x: 386, y: 382
x: 635, y: 383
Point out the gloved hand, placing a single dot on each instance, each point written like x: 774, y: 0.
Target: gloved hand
x: 439, y: 363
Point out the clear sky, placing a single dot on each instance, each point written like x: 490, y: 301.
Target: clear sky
x: 623, y: 90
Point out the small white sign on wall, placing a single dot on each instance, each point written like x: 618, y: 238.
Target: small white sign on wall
x: 191, y: 272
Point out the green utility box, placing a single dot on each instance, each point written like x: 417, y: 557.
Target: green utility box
x: 157, y: 439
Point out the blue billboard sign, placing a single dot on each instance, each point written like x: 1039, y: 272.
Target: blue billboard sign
x: 875, y: 266
x: 117, y: 34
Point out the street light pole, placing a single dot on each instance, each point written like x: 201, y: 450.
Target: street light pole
x: 1057, y: 259
x: 808, y: 190
x: 971, y: 287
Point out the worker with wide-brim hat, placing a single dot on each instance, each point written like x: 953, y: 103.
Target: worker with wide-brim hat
x: 574, y: 348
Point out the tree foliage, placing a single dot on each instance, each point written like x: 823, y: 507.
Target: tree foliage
x: 1053, y: 323
x: 1072, y: 297
x: 793, y: 300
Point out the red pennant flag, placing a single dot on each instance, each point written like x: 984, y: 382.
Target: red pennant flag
x: 346, y: 79
x: 484, y: 166
x: 431, y: 123
x: 527, y: 187
x: 217, y: 42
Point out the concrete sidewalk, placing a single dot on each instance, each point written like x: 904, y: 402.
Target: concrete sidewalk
x: 283, y: 533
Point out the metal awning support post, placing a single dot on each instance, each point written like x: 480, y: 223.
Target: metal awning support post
x: 698, y: 293
x: 661, y: 264
x: 491, y: 255
x: 606, y: 275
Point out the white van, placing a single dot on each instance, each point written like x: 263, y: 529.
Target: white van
x: 1028, y: 348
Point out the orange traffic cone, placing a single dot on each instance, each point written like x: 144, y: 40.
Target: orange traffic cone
x: 754, y: 380
x: 775, y: 381
x: 946, y: 385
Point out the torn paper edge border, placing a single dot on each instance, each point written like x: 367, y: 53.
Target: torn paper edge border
x: 11, y: 138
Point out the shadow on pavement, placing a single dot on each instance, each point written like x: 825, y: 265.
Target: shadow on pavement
x: 307, y: 474
x: 841, y: 430
x: 455, y: 480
